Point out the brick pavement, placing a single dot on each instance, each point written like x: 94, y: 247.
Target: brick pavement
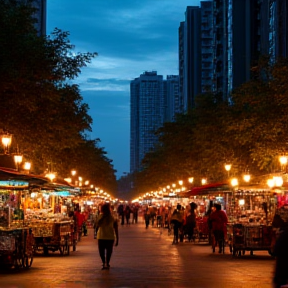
x: 144, y: 258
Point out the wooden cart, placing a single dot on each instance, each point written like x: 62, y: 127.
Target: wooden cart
x: 242, y: 238
x: 16, y: 247
x: 57, y: 236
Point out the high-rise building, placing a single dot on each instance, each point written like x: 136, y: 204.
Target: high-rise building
x: 173, y: 102
x: 41, y: 6
x: 40, y: 15
x: 220, y: 41
x: 147, y: 94
x: 192, y: 56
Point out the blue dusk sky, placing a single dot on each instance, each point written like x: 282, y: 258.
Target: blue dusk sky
x: 130, y: 37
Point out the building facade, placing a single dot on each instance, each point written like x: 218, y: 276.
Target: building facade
x: 40, y: 15
x: 147, y: 106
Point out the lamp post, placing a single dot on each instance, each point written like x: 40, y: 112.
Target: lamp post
x: 228, y: 168
x: 6, y: 141
x: 283, y: 161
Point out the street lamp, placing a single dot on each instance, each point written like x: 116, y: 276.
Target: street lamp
x: 6, y: 141
x: 246, y: 177
x: 283, y: 161
x: 191, y: 179
x: 18, y: 158
x: 228, y: 168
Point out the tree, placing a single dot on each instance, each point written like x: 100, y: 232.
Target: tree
x: 45, y: 113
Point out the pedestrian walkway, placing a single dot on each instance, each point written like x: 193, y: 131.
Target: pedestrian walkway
x: 144, y: 258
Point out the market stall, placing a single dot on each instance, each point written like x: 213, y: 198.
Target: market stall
x: 251, y: 228
x: 249, y: 209
x: 51, y: 221
x: 40, y: 209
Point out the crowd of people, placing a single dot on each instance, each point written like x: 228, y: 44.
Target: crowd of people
x: 182, y: 220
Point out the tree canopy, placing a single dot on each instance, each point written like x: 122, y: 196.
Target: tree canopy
x: 249, y: 132
x: 39, y: 105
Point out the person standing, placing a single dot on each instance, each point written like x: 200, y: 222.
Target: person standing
x: 177, y: 221
x: 107, y: 233
x: 219, y: 221
x: 191, y: 221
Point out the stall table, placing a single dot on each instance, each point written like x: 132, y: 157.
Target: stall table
x: 55, y: 236
x: 16, y: 247
x: 251, y: 238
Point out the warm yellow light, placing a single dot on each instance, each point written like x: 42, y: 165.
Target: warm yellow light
x: 87, y: 182
x: 173, y: 185
x: 73, y: 172
x: 246, y: 177
x: 241, y: 202
x: 278, y: 181
x: 180, y: 182
x: 228, y: 167
x: 27, y: 166
x: 69, y: 180
x: 80, y: 179
x: 283, y: 160
x: 270, y: 183
x: 51, y: 176
x: 204, y: 181
x: 234, y: 182
x: 190, y: 179
x: 6, y: 140
x: 18, y: 158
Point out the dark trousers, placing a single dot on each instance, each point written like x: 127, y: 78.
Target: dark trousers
x: 105, y: 246
x: 176, y: 227
x: 219, y: 237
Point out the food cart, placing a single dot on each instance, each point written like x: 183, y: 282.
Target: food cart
x: 16, y: 247
x: 55, y: 236
x: 52, y: 226
x: 251, y: 226
x: 16, y: 242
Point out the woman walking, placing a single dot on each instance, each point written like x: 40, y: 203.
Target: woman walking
x: 107, y: 233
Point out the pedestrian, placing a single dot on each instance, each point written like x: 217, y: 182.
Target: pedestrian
x: 147, y: 217
x: 120, y: 211
x: 177, y: 221
x: 191, y: 221
x: 281, y: 253
x: 107, y: 233
x: 219, y: 221
x: 127, y: 212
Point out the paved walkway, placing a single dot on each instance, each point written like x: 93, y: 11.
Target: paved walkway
x: 144, y: 258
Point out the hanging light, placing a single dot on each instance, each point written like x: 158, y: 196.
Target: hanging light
x: 191, y: 179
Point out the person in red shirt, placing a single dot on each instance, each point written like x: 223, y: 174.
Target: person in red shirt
x: 219, y: 221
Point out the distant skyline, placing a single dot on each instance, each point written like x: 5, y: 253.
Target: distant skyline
x: 130, y: 37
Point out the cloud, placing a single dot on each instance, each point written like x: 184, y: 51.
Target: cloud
x: 130, y: 37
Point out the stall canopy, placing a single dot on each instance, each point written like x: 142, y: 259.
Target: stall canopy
x: 14, y: 178
x: 204, y: 189
x: 10, y: 178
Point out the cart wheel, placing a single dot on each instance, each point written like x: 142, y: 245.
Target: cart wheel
x: 19, y: 262
x: 28, y: 260
x: 64, y: 249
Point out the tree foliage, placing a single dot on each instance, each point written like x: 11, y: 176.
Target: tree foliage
x: 45, y: 113
x: 250, y: 132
